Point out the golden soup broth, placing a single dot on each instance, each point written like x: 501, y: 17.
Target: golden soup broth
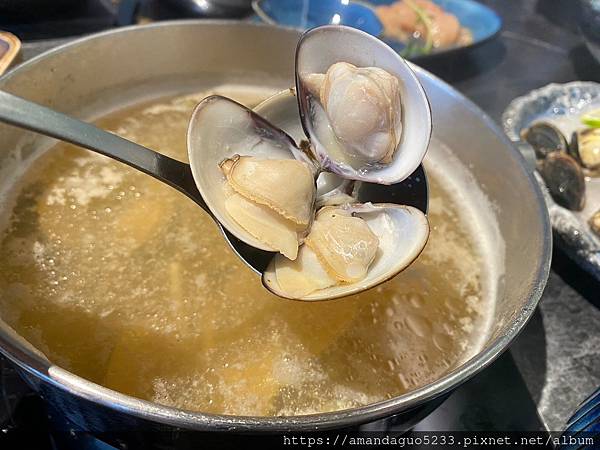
x: 122, y: 280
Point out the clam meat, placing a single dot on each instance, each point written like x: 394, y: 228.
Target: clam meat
x: 272, y: 199
x: 363, y: 123
x: 343, y: 243
x: 363, y: 108
x: 585, y: 146
x: 340, y: 248
x: 252, y: 176
x: 350, y: 247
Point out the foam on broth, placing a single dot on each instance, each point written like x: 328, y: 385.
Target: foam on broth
x: 122, y: 280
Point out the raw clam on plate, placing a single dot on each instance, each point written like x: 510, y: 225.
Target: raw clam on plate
x: 547, y: 127
x: 585, y: 147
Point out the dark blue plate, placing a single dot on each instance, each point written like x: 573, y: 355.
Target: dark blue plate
x: 303, y: 14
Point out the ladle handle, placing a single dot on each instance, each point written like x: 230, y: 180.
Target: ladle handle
x: 32, y: 116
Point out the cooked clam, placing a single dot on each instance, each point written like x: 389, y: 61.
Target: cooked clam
x: 240, y: 163
x: 349, y: 249
x: 363, y: 109
x: 262, y: 188
x: 564, y: 179
x: 344, y: 244
x: 545, y: 138
x: 585, y: 147
x: 274, y: 215
x: 297, y: 279
x: 284, y: 185
x: 365, y: 112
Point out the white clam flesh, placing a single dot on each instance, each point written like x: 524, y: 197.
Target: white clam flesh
x: 363, y: 109
x: 349, y: 249
x: 242, y: 166
x: 277, y: 217
x: 285, y: 185
x: 344, y: 244
x: 363, y: 117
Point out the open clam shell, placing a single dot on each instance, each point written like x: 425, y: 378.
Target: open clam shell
x: 281, y: 110
x: 221, y: 129
x: 317, y: 51
x: 402, y: 232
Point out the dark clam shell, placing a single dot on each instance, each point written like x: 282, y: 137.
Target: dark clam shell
x: 545, y: 138
x: 565, y: 180
x: 585, y: 147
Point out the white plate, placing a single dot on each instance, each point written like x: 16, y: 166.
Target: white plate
x: 564, y: 103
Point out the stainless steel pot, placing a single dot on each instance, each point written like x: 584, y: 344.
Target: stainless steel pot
x: 110, y: 69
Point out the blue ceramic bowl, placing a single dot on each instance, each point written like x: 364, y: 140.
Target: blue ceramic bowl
x: 312, y: 13
x: 303, y: 14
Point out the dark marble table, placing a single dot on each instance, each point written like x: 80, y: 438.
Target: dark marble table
x: 558, y: 354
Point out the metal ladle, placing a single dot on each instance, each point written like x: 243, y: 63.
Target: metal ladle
x: 31, y: 116
x: 332, y: 44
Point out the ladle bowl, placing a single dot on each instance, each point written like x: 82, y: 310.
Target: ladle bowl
x: 25, y: 114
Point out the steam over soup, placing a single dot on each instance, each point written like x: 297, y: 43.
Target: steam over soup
x: 126, y: 282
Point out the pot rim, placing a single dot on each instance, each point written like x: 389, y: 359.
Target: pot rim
x: 36, y: 364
